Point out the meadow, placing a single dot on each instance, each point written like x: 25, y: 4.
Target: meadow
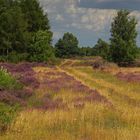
x: 74, y: 101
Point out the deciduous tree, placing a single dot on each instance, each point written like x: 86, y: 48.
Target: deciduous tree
x: 123, y: 38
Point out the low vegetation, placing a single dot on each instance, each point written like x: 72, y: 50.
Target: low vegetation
x: 76, y: 102
x: 7, y: 115
x: 7, y: 81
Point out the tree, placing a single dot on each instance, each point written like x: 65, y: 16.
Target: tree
x: 21, y: 21
x: 123, y: 38
x: 12, y: 28
x: 41, y: 49
x: 101, y: 49
x: 85, y: 51
x: 67, y: 46
x: 34, y: 15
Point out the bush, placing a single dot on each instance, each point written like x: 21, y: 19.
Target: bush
x: 7, y: 81
x: 7, y: 114
x: 101, y: 64
x: 41, y: 49
x: 3, y: 58
x: 15, y: 57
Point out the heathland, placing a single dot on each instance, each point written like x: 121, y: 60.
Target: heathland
x: 76, y: 100
x: 66, y: 91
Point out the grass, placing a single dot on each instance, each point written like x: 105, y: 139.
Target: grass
x: 96, y: 121
x: 124, y: 96
x: 93, y: 122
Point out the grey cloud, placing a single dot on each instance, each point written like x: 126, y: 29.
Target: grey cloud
x: 89, y: 22
x: 111, y: 4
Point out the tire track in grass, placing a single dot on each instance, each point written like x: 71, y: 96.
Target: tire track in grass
x: 83, y: 83
x: 113, y: 93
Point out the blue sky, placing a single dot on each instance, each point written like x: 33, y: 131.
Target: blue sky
x: 87, y: 19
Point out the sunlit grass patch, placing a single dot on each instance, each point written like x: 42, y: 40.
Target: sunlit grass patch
x: 124, y: 96
x: 69, y: 95
x: 95, y: 121
x: 103, y: 80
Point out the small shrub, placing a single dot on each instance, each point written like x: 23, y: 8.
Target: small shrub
x: 102, y: 64
x: 7, y: 114
x: 7, y: 81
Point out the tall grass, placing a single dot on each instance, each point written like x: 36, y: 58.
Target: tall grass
x: 96, y: 121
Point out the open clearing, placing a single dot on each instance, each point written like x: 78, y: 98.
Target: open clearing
x: 80, y: 103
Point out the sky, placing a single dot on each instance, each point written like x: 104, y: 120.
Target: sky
x: 89, y: 20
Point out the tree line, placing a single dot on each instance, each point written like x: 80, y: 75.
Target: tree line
x: 122, y: 47
x: 25, y: 35
x: 24, y: 31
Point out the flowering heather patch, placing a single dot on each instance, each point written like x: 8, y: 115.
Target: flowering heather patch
x: 94, y: 96
x: 24, y: 72
x: 28, y: 79
x: 60, y: 80
x: 53, y: 104
x: 8, y: 66
x: 8, y: 98
x: 56, y: 81
x: 24, y: 75
x: 21, y: 67
x: 15, y: 96
x: 129, y: 77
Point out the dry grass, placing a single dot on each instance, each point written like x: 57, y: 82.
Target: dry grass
x: 94, y: 121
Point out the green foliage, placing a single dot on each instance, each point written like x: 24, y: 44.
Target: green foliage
x: 85, y: 51
x: 20, y: 22
x: 34, y: 15
x: 41, y: 49
x: 7, y: 114
x: 7, y: 81
x: 123, y: 38
x: 12, y: 30
x: 15, y: 57
x: 67, y: 46
x: 101, y: 49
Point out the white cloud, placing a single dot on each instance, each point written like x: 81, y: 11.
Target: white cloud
x: 57, y: 35
x: 80, y: 18
x: 59, y: 17
x: 65, y: 14
x: 77, y: 17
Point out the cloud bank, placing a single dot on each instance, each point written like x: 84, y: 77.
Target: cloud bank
x: 84, y: 18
